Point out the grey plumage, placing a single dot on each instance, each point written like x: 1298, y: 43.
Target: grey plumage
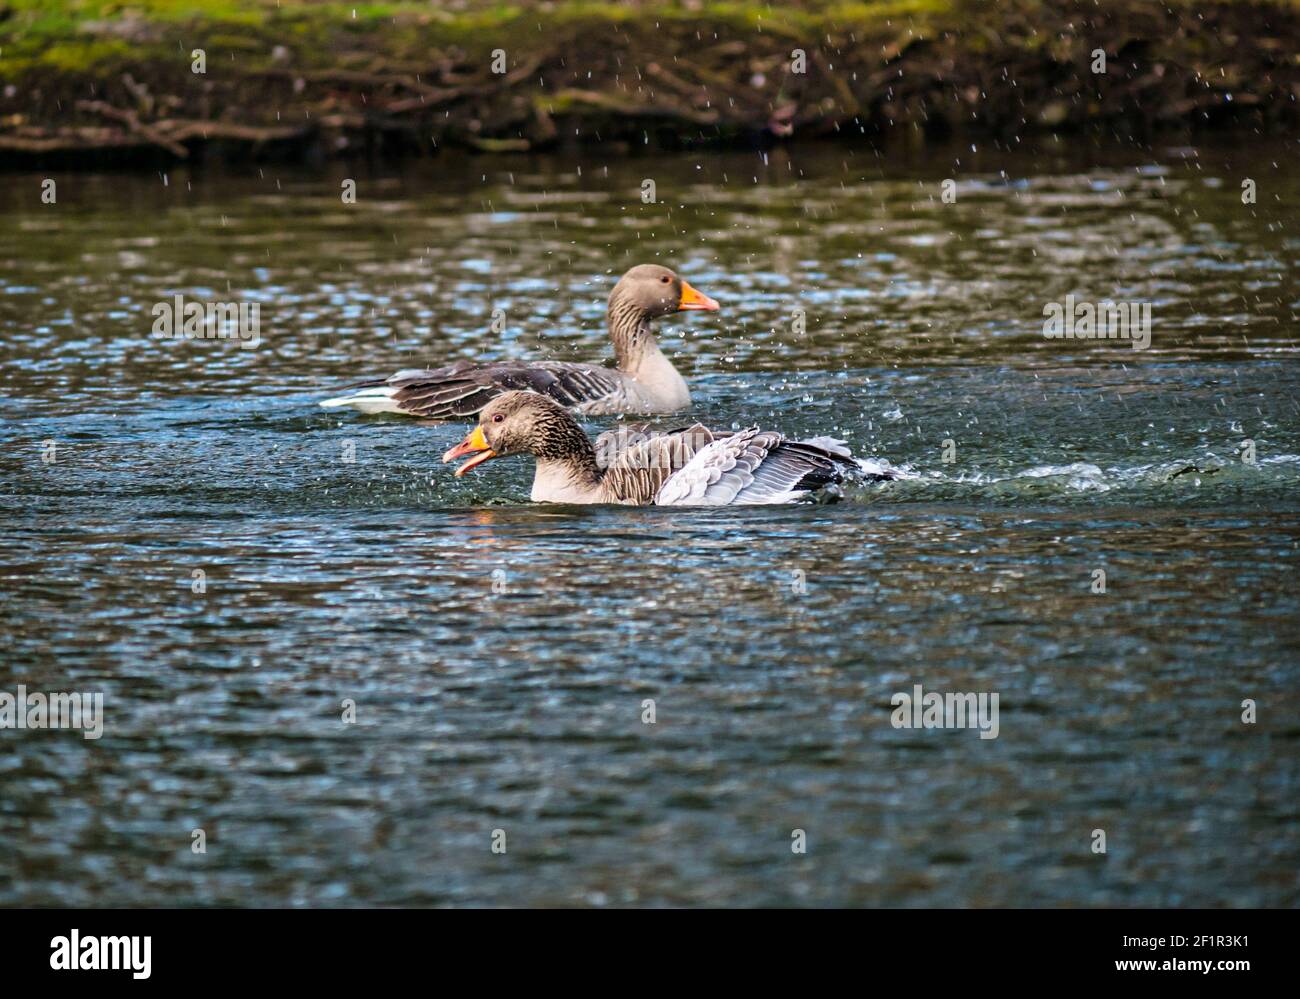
x: 460, y: 391
x: 644, y: 380
x: 685, y: 466
x: 755, y: 467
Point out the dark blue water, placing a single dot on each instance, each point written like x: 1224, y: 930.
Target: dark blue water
x: 499, y: 655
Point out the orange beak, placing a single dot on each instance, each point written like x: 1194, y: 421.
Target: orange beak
x: 692, y: 299
x: 475, y: 444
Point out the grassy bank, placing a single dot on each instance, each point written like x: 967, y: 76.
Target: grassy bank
x: 86, y: 83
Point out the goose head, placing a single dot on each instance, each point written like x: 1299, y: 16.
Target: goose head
x: 523, y: 423
x: 654, y: 291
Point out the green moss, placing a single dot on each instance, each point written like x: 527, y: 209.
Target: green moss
x: 81, y: 56
x: 48, y: 32
x: 221, y: 42
x: 94, y: 37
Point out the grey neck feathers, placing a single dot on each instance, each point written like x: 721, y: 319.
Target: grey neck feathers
x: 561, y: 442
x: 633, y: 337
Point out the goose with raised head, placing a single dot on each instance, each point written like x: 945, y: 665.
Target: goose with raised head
x: 687, y: 466
x: 642, y: 381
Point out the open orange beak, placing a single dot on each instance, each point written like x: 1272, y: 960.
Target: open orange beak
x: 475, y: 444
x: 692, y: 299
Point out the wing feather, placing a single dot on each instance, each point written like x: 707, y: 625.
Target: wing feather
x: 756, y: 467
x: 720, y: 472
x: 459, y: 391
x: 638, y: 469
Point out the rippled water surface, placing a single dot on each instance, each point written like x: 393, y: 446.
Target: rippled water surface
x: 500, y: 655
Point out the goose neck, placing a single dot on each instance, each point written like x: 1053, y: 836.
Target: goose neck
x: 632, y: 335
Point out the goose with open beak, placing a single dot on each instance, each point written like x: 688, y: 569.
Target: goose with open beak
x: 687, y: 466
x: 642, y: 381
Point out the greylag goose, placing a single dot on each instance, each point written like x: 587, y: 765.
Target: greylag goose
x: 644, y: 380
x: 690, y: 466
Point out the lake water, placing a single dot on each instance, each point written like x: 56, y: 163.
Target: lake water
x: 500, y: 655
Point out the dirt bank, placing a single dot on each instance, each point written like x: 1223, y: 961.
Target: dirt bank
x: 98, y: 84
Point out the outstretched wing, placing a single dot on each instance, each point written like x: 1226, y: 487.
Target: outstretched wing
x: 755, y: 467
x: 718, y: 473
x: 637, y: 463
x: 611, y: 444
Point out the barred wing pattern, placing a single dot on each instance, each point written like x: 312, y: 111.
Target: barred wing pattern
x: 612, y: 445
x: 636, y: 473
x: 460, y: 391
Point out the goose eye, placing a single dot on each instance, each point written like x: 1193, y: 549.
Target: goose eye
x: 498, y: 418
x: 665, y: 279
